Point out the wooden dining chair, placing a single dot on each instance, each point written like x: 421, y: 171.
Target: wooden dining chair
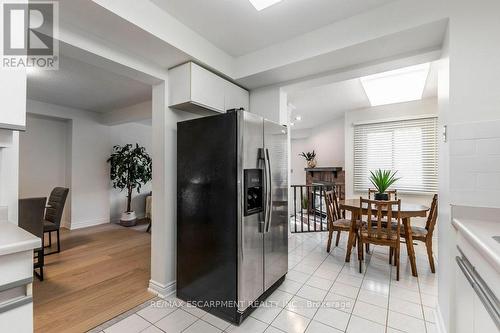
x: 335, y: 220
x: 425, y: 234
x: 376, y: 231
x: 393, y: 194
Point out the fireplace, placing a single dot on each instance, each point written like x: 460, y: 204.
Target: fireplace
x: 327, y: 176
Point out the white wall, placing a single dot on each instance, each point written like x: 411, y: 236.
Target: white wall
x: 474, y: 123
x: 327, y: 140
x: 43, y: 158
x: 89, y: 172
x: 120, y: 135
x: 384, y: 112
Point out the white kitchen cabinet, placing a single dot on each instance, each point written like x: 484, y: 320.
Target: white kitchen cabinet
x: 464, y: 303
x: 482, y: 319
x: 13, y: 97
x: 236, y: 97
x: 195, y: 89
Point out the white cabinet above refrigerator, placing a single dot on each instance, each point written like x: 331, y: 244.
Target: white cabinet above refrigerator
x: 195, y: 89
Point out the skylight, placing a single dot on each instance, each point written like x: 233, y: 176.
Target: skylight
x: 263, y: 4
x: 400, y: 85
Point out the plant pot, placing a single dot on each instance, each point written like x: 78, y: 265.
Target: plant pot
x: 382, y: 196
x: 128, y: 219
x: 311, y: 164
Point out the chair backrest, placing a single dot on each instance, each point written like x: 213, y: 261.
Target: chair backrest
x: 393, y: 194
x: 31, y: 215
x: 376, y: 226
x: 432, y: 218
x: 332, y: 206
x: 56, y: 203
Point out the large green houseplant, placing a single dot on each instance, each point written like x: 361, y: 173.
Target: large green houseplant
x: 130, y: 169
x: 382, y: 180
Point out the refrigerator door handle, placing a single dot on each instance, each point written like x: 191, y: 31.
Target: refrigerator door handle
x: 269, y: 191
x: 262, y: 224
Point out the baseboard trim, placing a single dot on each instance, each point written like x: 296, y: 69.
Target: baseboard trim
x: 88, y: 223
x: 441, y: 328
x: 162, y: 290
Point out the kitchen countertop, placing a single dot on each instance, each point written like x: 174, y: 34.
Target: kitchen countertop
x: 14, y: 239
x: 478, y: 226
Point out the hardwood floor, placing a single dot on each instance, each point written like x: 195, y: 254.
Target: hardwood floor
x: 100, y: 273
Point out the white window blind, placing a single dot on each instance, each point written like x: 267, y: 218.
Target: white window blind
x: 408, y: 146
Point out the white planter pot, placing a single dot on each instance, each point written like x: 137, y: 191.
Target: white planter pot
x: 128, y: 219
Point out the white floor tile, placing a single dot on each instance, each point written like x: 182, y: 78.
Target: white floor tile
x: 291, y: 322
x: 331, y: 317
x: 197, y: 312
x: 215, y: 321
x: 317, y: 327
x: 318, y: 282
x: 350, y: 279
x: 290, y: 286
x: 431, y: 328
x: 370, y: 312
x: 266, y: 313
x: 177, y: 321
x: 405, y: 307
x: 152, y: 329
x: 429, y: 314
x: 153, y: 314
x: 278, y: 298
x: 429, y: 300
x: 271, y: 329
x: 361, y: 325
x: 311, y: 293
x: 405, y: 323
x: 339, y: 302
x: 374, y: 298
x: 345, y: 290
x: 201, y: 326
x: 405, y: 294
x: 131, y: 324
x: 297, y: 276
x: 249, y: 325
x: 377, y: 286
x: 303, y: 307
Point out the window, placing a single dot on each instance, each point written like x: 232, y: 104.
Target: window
x: 408, y: 146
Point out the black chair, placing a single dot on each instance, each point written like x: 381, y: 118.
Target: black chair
x: 31, y: 219
x: 53, y: 215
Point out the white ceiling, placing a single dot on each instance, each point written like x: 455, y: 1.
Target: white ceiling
x: 327, y: 102
x: 238, y: 28
x: 83, y: 86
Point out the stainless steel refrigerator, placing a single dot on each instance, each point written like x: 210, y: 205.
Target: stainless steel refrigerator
x: 232, y: 212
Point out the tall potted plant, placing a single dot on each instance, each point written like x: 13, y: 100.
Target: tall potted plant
x: 382, y: 180
x: 130, y: 169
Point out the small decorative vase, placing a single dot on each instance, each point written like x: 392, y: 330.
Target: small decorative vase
x: 311, y: 164
x: 382, y: 196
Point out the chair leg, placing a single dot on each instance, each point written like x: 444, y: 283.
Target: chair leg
x: 360, y: 254
x: 390, y: 255
x: 428, y: 245
x: 337, y: 240
x: 367, y: 247
x: 397, y: 251
x: 58, y: 242
x: 329, y: 244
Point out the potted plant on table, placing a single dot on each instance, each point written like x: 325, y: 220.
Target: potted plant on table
x: 382, y: 180
x: 130, y: 169
x: 310, y: 159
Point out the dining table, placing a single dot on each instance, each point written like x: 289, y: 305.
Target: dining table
x: 407, y: 211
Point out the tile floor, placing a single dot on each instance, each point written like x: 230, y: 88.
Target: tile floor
x: 321, y: 294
